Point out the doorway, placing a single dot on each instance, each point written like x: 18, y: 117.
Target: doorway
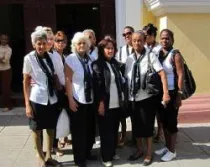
x: 12, y: 23
x: 72, y: 18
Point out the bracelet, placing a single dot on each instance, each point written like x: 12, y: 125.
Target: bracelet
x: 180, y: 92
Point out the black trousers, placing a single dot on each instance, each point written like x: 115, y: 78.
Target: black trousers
x: 83, y: 131
x: 108, y: 130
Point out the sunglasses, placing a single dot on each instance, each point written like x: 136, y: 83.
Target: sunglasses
x: 127, y: 33
x: 60, y: 40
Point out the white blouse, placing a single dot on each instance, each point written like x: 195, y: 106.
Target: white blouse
x: 156, y: 49
x: 169, y: 70
x: 39, y: 86
x: 94, y: 54
x: 114, y: 99
x: 142, y: 94
x: 5, y: 53
x: 78, y: 78
x: 123, y: 57
x: 59, y: 67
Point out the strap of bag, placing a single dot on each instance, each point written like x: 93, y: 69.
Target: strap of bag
x: 120, y: 54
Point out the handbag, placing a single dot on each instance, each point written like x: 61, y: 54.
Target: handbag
x: 63, y: 125
x: 189, y: 85
x: 152, y: 83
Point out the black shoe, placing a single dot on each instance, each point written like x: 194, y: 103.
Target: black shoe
x: 92, y: 158
x: 81, y: 165
x: 135, y: 156
x: 147, y: 162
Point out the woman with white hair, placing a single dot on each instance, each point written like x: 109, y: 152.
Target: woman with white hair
x: 40, y: 97
x: 78, y: 75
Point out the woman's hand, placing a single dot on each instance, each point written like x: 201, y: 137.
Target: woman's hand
x: 101, y: 108
x: 166, y: 98
x: 29, y: 112
x: 178, y: 102
x: 73, y: 105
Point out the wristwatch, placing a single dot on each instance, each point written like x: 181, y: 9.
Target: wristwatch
x: 180, y: 92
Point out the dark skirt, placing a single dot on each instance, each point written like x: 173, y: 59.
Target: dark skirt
x: 45, y: 116
x: 143, y: 117
x: 168, y: 116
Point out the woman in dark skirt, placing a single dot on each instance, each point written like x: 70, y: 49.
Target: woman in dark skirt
x: 142, y: 104
x: 109, y: 97
x: 40, y: 97
x: 173, y: 65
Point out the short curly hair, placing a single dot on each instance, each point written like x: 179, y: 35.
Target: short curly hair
x: 79, y: 36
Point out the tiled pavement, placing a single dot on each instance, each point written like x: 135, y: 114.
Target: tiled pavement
x: 16, y: 150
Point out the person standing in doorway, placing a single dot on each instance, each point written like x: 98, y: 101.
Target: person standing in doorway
x: 5, y: 72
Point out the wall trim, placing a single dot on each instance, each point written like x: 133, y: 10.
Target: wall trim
x: 161, y: 7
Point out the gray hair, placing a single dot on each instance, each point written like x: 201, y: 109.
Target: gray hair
x: 48, y: 31
x: 79, y: 36
x: 38, y: 35
x: 141, y: 32
x: 89, y: 31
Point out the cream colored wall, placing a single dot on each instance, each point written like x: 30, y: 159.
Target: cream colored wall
x: 148, y: 16
x: 192, y: 37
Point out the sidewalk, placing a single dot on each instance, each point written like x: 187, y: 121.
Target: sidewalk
x: 193, y: 145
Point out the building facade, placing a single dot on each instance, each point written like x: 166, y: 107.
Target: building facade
x: 188, y: 19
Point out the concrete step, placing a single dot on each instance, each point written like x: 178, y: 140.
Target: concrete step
x: 196, y: 109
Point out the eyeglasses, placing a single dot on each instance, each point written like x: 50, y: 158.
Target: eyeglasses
x: 127, y: 33
x: 60, y: 40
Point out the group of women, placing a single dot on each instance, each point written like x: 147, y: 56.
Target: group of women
x: 102, y: 89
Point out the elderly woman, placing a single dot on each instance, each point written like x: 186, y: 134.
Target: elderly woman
x: 79, y: 86
x: 172, y: 62
x: 59, y: 77
x: 5, y: 72
x: 40, y: 97
x: 152, y: 45
x: 109, y: 97
x: 93, y: 52
x: 142, y: 104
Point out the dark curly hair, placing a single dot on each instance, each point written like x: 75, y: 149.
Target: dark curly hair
x: 150, y: 29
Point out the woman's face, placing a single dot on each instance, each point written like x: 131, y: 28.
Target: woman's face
x: 40, y: 46
x: 4, y: 40
x: 150, y: 39
x: 138, y: 42
x: 91, y: 37
x: 50, y: 42
x: 82, y: 47
x: 109, y: 51
x: 165, y: 40
x: 60, y: 44
x: 127, y: 34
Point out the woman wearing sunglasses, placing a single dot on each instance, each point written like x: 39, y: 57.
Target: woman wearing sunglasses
x: 121, y: 56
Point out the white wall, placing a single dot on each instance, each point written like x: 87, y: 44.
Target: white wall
x: 128, y: 13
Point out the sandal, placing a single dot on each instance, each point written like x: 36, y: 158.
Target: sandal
x: 58, y: 152
x: 61, y: 144
x: 147, y: 161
